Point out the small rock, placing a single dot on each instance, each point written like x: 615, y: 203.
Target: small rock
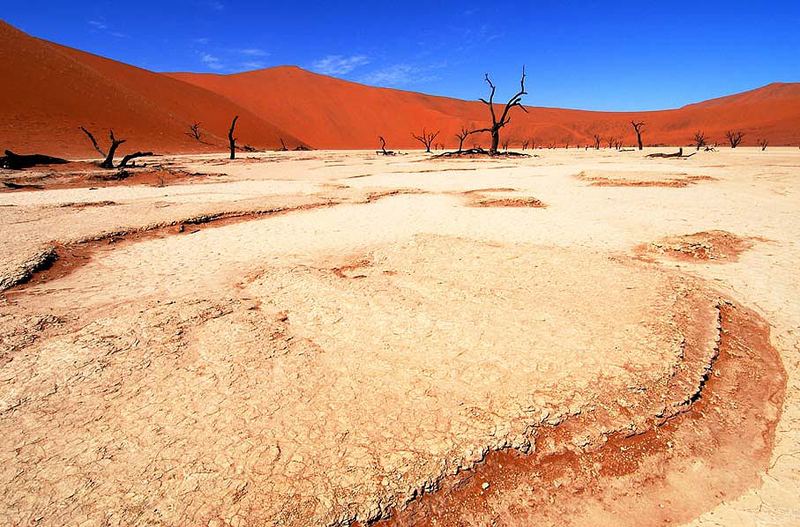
x: 485, y: 485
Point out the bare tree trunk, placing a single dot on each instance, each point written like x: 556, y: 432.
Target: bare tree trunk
x: 109, y: 160
x: 637, y: 127
x: 495, y: 140
x: 231, y: 138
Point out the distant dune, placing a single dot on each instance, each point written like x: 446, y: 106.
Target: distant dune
x: 49, y: 90
x: 333, y: 113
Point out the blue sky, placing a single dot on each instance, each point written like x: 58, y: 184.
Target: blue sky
x: 611, y: 55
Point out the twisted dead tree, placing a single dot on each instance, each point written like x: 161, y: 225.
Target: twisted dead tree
x: 596, y: 141
x: 194, y: 132
x: 504, y: 119
x: 108, y: 162
x: 426, y: 138
x: 383, y: 147
x: 763, y: 143
x: 734, y: 137
x: 462, y: 136
x: 638, y: 126
x: 231, y: 138
x: 699, y: 139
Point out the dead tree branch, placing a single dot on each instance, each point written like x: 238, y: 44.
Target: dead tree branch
x: 131, y: 157
x: 94, y: 142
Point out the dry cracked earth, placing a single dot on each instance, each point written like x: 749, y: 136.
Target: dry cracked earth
x: 335, y: 338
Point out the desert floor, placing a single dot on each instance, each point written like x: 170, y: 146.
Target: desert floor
x: 322, y: 338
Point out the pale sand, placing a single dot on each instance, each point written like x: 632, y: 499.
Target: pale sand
x: 321, y: 365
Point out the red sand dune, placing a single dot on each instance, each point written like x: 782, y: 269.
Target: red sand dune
x: 48, y: 91
x: 332, y: 113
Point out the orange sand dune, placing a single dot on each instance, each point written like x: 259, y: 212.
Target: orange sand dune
x: 333, y: 113
x: 48, y: 91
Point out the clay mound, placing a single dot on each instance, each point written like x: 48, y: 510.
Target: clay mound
x: 597, y: 178
x: 342, y: 389
x: 706, y: 246
x: 49, y: 90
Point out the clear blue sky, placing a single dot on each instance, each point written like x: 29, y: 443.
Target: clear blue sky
x: 610, y: 55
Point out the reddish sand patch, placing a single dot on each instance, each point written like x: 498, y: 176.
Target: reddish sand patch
x: 711, y: 451
x: 508, y: 202
x: 707, y: 246
x: 478, y: 198
x: 672, y: 181
x: 88, y: 175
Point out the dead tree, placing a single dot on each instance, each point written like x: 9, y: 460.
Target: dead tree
x: 108, y: 162
x: 194, y: 132
x: 638, y: 126
x: 763, y: 143
x: 283, y: 146
x: 505, y: 145
x: 596, y: 141
x: 525, y: 144
x: 699, y: 139
x: 14, y: 161
x: 383, y: 147
x: 610, y: 142
x: 426, y: 138
x: 462, y: 136
x: 734, y: 138
x: 231, y: 138
x: 497, y: 124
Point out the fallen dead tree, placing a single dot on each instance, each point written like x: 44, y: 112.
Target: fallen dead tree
x: 383, y: 150
x: 14, y: 161
x: 662, y: 155
x: 477, y: 151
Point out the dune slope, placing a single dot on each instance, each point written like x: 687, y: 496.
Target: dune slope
x: 49, y: 91
x: 333, y: 113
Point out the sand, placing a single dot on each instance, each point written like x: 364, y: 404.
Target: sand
x: 319, y: 338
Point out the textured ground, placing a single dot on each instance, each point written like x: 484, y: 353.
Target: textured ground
x: 321, y: 337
